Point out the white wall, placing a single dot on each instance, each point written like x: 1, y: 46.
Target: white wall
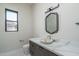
x: 10, y: 40
x: 68, y: 16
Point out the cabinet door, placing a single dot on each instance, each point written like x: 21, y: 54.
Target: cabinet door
x: 45, y: 52
x: 34, y: 49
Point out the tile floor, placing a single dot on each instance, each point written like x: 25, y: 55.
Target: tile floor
x: 18, y: 52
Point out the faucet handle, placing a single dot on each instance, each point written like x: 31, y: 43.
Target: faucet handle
x: 49, y: 36
x: 21, y: 40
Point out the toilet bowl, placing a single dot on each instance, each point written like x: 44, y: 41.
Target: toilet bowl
x: 26, y: 48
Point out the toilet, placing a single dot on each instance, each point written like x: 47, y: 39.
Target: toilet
x: 26, y: 49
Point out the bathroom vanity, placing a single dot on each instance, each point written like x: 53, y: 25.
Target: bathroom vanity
x: 36, y: 49
x: 58, y: 48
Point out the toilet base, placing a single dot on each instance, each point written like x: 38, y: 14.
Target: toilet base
x: 26, y: 48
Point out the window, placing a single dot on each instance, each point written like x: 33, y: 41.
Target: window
x: 11, y: 20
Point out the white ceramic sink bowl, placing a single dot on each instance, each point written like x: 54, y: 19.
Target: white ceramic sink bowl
x: 47, y: 41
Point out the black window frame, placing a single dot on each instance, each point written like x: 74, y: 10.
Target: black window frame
x: 9, y: 20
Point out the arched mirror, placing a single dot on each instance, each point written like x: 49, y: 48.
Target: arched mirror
x: 51, y: 23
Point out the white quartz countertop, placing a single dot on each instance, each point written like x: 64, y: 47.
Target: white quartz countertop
x: 60, y: 47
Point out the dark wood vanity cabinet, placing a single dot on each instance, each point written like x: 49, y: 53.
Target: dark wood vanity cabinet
x: 37, y: 50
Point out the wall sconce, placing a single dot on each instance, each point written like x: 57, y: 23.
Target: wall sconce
x: 51, y: 8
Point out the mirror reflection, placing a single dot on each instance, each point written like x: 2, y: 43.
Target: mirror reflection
x: 51, y: 23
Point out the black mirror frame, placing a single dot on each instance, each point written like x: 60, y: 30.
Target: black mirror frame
x: 55, y: 13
